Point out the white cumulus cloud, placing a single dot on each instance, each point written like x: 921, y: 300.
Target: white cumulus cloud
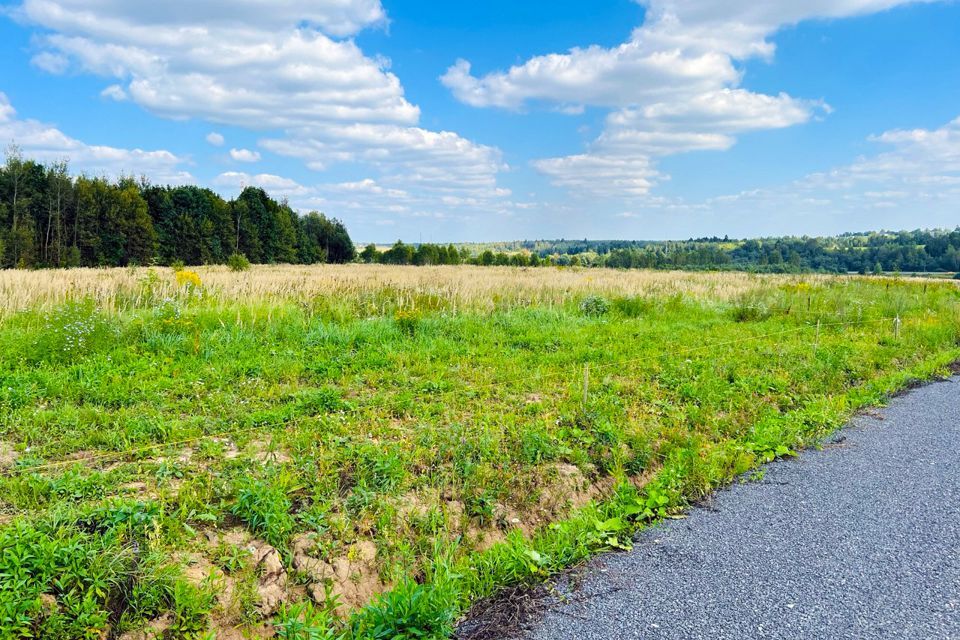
x: 278, y: 186
x: 215, y: 139
x: 114, y: 92
x: 289, y: 69
x: 911, y: 169
x: 46, y: 143
x: 245, y: 155
x: 411, y: 156
x: 674, y: 86
x: 253, y: 63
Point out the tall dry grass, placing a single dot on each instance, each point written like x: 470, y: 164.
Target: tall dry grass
x: 462, y: 287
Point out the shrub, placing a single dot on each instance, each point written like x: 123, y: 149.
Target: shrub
x: 750, y: 308
x: 594, y: 306
x: 238, y: 262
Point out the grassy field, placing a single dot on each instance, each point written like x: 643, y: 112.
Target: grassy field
x: 364, y: 451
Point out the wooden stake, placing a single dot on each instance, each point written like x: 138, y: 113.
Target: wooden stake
x: 816, y: 340
x: 896, y: 327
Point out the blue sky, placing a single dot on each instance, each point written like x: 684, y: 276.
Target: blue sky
x: 508, y: 120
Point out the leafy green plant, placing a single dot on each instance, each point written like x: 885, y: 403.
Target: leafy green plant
x: 266, y: 510
x: 304, y: 621
x: 652, y: 506
x: 594, y: 306
x: 410, y: 611
x: 231, y: 558
x: 482, y: 507
x: 191, y: 609
x: 609, y: 534
x: 73, y: 330
x: 769, y: 452
x: 238, y: 262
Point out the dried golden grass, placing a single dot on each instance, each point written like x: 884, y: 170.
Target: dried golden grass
x: 463, y: 287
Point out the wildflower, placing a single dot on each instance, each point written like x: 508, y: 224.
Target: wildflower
x: 188, y: 279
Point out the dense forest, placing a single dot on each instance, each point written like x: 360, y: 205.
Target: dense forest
x: 49, y: 218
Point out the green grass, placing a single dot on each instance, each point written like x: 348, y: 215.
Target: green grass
x: 156, y: 451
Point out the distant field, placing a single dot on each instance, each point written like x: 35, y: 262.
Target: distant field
x: 363, y: 451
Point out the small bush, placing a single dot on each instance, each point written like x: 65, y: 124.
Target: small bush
x: 750, y: 308
x: 594, y: 306
x: 238, y: 262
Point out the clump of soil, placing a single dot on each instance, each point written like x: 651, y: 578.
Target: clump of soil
x: 8, y: 456
x: 569, y: 489
x: 272, y: 588
x: 272, y: 583
x: 564, y: 488
x: 353, y: 579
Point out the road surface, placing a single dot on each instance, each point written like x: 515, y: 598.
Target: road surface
x: 858, y: 540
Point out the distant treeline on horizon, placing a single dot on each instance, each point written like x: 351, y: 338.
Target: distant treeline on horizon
x: 936, y: 250
x: 49, y: 218
x: 872, y: 252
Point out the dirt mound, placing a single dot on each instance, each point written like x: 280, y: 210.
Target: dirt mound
x: 568, y: 489
x: 353, y: 579
x: 272, y: 588
x: 272, y: 583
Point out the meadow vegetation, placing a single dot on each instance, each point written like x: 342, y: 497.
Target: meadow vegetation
x: 363, y: 451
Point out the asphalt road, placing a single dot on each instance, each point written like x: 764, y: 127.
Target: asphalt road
x: 858, y: 540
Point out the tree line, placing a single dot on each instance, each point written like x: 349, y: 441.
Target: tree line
x: 49, y: 218
x: 872, y: 252
x: 881, y: 252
